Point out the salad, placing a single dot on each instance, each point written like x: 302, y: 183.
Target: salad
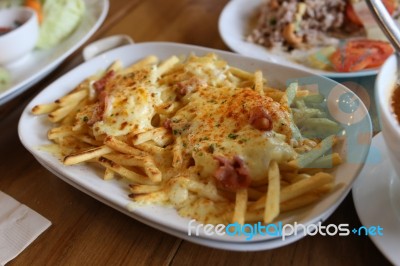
x: 332, y: 35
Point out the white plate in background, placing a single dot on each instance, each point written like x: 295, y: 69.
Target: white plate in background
x: 234, y: 27
x: 33, y: 134
x: 39, y: 63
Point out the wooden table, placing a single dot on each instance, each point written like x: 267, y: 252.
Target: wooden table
x: 87, y: 232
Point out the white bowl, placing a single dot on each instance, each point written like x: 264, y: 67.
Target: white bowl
x: 17, y: 43
x: 384, y: 87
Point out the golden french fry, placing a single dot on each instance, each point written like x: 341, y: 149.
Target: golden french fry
x: 177, y: 159
x: 258, y: 82
x: 150, y: 198
x: 241, y: 73
x: 72, y: 98
x: 145, y: 162
x: 273, y: 193
x: 59, y: 132
x: 299, y: 202
x: 149, y: 60
x: 44, y: 108
x: 121, y: 146
x: 108, y: 174
x: 86, y: 155
x: 60, y: 113
x: 296, y: 189
x: 166, y: 65
x: 240, y: 206
x: 124, y: 172
x: 156, y: 134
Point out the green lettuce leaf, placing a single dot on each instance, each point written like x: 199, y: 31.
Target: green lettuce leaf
x: 60, y: 18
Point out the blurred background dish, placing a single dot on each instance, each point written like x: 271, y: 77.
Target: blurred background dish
x: 237, y: 21
x: 41, y: 62
x: 19, y: 33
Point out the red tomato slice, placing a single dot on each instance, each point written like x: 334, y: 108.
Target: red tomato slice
x: 352, y: 16
x: 360, y: 54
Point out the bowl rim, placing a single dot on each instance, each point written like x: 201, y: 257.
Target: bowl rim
x: 31, y: 18
x: 387, y: 75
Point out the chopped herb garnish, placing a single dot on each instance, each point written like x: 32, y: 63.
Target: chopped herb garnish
x: 211, y: 148
x: 232, y: 136
x: 85, y: 119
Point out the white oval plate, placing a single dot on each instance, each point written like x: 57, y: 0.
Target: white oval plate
x: 234, y: 27
x: 33, y: 134
x: 39, y: 63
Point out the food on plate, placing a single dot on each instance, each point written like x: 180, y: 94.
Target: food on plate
x: 214, y: 141
x: 315, y: 33
x: 360, y: 54
x: 58, y: 18
x: 37, y: 6
x: 395, y: 102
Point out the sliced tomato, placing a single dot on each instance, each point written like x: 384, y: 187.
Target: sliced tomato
x: 356, y: 55
x: 352, y: 16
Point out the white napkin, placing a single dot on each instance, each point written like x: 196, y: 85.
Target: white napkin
x: 19, y: 226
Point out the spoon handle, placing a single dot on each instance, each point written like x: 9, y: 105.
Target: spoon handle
x: 385, y: 22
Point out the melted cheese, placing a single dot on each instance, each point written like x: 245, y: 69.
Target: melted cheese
x: 215, y: 121
x: 129, y: 105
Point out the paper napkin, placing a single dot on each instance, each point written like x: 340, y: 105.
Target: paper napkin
x: 19, y: 226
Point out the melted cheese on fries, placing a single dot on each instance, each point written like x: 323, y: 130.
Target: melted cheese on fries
x: 194, y: 133
x: 215, y: 122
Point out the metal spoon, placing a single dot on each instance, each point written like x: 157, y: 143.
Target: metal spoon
x: 387, y: 25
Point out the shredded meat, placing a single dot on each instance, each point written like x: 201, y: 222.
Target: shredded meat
x: 232, y: 174
x: 100, y: 84
x: 102, y: 98
x: 314, y: 25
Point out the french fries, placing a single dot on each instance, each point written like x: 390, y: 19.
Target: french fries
x: 162, y: 158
